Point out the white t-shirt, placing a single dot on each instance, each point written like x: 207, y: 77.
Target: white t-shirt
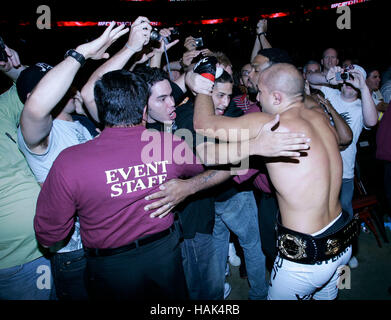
x: 352, y: 114
x: 63, y: 134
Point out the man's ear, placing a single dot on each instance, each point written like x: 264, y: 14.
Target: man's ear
x: 277, y: 98
x: 145, y: 114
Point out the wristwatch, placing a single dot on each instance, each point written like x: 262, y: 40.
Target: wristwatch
x: 75, y: 55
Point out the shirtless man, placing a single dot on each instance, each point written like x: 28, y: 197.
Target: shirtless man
x: 307, y: 188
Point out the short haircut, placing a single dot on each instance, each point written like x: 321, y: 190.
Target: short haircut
x: 151, y: 75
x: 224, y: 78
x: 222, y: 58
x: 370, y: 69
x: 311, y: 62
x: 329, y: 49
x: 283, y: 77
x: 120, y: 98
x: 276, y: 55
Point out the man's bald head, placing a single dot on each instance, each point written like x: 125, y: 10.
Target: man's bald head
x: 283, y: 77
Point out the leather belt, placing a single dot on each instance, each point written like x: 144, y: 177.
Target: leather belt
x: 92, y: 252
x: 304, y: 248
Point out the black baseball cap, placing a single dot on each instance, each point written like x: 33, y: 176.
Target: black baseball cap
x: 29, y: 78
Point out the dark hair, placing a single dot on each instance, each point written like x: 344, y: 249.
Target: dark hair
x: 222, y: 58
x: 120, y: 97
x: 224, y: 77
x: 151, y: 76
x: 311, y: 62
x: 370, y: 69
x: 276, y: 55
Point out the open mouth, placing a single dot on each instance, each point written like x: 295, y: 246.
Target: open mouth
x: 172, y: 115
x: 220, y: 111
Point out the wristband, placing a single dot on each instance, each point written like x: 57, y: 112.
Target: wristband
x: 75, y: 55
x: 259, y: 34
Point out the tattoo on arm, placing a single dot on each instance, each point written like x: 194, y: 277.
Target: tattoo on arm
x: 210, y: 176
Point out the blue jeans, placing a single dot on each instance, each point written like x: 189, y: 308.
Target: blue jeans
x: 201, y: 268
x: 69, y: 272
x: 240, y: 215
x: 29, y: 281
x: 346, y: 195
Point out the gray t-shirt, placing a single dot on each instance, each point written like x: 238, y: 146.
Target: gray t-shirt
x: 63, y: 134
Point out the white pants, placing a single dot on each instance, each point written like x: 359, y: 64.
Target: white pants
x: 296, y: 281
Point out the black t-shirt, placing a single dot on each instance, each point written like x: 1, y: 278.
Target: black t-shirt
x: 196, y: 212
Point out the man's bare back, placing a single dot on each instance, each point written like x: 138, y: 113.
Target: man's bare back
x: 308, y: 189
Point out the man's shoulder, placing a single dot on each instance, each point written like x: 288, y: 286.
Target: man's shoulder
x: 300, y: 118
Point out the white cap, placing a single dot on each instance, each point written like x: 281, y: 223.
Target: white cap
x: 361, y: 69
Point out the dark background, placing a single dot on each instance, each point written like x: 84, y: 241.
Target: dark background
x: 304, y: 36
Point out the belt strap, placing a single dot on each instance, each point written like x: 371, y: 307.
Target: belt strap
x: 304, y: 248
x: 93, y: 252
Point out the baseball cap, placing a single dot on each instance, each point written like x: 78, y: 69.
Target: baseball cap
x: 29, y: 78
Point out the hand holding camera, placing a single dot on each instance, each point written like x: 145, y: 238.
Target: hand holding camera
x: 345, y: 75
x: 9, y: 58
x: 192, y: 43
x: 356, y: 79
x: 140, y: 33
x: 164, y: 37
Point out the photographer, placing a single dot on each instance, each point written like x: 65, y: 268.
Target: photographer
x: 358, y: 113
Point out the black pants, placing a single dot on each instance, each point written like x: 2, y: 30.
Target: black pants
x: 153, y: 271
x: 267, y: 217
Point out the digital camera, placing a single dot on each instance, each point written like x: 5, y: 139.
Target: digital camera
x: 345, y: 75
x: 155, y: 35
x: 199, y: 42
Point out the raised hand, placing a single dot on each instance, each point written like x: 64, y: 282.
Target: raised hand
x: 261, y: 26
x: 357, y: 80
x: 190, y: 43
x: 12, y: 62
x: 165, y: 33
x: 140, y: 33
x: 96, y: 49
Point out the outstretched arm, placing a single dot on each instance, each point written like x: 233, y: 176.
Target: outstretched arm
x: 177, y: 190
x: 261, y: 41
x: 139, y: 36
x: 36, y: 119
x: 256, y: 127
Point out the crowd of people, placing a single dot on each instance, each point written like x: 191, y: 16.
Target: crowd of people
x: 135, y: 185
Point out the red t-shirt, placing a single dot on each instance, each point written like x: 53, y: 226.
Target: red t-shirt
x: 105, y: 181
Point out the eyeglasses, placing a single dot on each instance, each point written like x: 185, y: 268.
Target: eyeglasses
x: 246, y: 72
